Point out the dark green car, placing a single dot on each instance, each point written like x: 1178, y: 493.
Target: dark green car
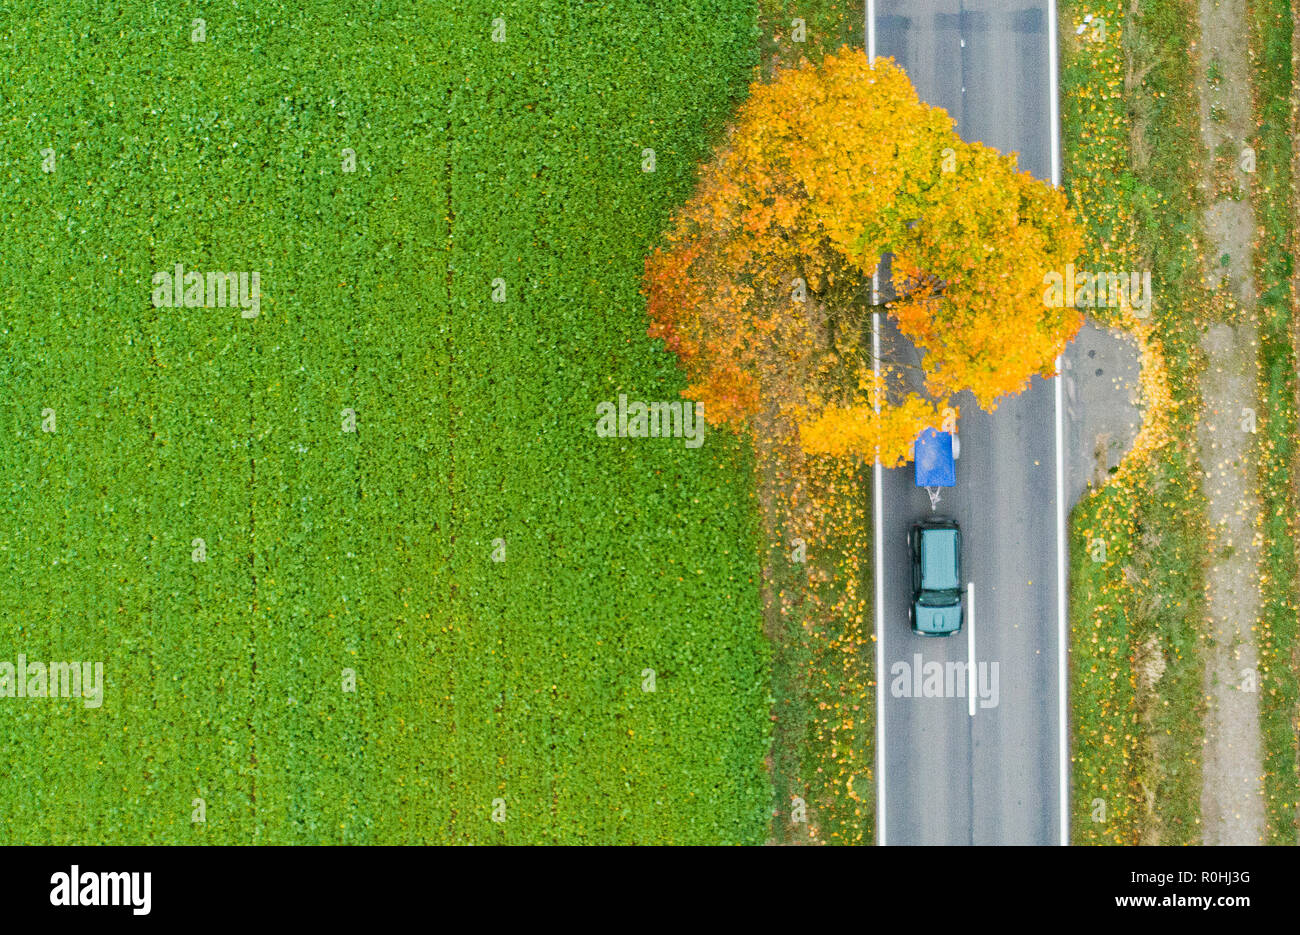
x: 936, y: 608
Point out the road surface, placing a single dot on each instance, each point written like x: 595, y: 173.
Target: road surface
x: 994, y: 776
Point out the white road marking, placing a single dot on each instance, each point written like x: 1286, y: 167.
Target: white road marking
x: 1062, y: 626
x: 970, y: 646
x: 1054, y: 102
x: 871, y: 31
x: 878, y: 513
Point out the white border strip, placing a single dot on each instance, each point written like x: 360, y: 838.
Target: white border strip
x: 877, y: 516
x: 871, y: 31
x: 1062, y: 623
x: 970, y: 649
x: 1054, y: 98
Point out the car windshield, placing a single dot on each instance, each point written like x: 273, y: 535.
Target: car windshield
x: 939, y: 559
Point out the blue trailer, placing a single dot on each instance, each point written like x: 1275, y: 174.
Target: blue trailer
x: 935, y: 454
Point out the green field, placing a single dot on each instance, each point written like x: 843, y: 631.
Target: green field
x: 372, y: 550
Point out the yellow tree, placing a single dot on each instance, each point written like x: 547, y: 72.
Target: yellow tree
x: 762, y: 287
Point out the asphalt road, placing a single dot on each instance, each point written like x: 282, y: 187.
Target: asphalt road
x: 991, y: 777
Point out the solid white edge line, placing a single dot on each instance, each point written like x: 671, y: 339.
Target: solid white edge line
x: 970, y: 647
x: 1062, y: 625
x: 877, y: 513
x: 871, y: 31
x: 1054, y: 102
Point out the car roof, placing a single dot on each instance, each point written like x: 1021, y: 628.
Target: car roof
x: 939, y: 559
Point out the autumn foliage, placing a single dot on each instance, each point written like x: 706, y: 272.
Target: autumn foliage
x: 763, y: 292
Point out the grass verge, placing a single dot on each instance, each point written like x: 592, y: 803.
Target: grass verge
x: 1272, y: 79
x: 817, y: 566
x: 1130, y: 119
